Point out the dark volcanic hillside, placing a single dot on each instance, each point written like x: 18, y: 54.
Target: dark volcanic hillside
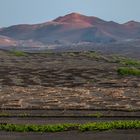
x: 74, y: 28
x: 84, y: 80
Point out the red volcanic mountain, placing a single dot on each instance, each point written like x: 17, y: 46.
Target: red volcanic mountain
x: 73, y: 28
x: 6, y: 41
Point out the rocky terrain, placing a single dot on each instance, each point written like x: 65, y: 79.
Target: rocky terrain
x: 80, y: 80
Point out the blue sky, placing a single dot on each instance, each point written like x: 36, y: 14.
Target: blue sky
x: 36, y: 11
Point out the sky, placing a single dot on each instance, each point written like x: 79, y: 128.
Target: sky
x: 14, y: 12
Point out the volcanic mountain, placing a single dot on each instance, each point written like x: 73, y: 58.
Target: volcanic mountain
x: 6, y: 41
x: 72, y: 28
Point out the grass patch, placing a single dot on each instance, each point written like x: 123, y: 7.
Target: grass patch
x: 128, y: 71
x: 4, y: 115
x: 18, y: 53
x: 126, y: 61
x: 130, y: 62
x: 96, y: 126
x: 72, y: 54
x: 96, y: 115
x: 93, y: 54
x: 49, y: 52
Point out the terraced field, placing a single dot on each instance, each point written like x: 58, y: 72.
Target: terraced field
x: 85, y: 80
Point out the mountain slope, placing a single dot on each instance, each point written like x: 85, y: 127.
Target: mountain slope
x: 74, y: 28
x: 6, y: 41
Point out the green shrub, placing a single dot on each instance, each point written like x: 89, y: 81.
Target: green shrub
x: 101, y: 126
x: 96, y: 126
x: 128, y: 71
x: 37, y: 128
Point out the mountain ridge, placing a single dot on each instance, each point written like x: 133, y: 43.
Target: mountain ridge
x: 73, y: 28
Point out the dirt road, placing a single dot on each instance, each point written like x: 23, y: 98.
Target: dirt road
x: 74, y: 135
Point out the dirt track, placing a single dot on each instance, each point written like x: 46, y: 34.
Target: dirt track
x: 74, y: 135
x: 60, y: 120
